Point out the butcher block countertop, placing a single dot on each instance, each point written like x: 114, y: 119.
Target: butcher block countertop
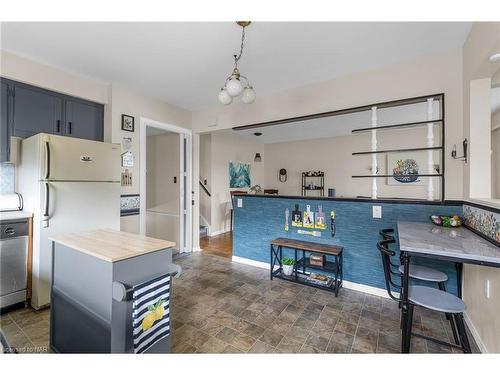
x: 112, y: 245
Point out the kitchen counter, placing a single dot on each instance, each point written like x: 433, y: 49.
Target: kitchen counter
x: 459, y: 243
x: 15, y: 215
x: 93, y: 276
x: 112, y: 245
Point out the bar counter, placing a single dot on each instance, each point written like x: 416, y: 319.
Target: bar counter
x: 262, y: 218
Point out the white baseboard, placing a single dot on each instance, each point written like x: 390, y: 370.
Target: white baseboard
x: 250, y: 262
x: 195, y: 249
x: 217, y: 232
x: 475, y: 334
x: 346, y: 284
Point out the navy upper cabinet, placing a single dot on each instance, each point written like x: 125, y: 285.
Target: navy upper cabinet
x: 4, y: 122
x: 84, y: 119
x: 29, y: 110
x: 36, y: 111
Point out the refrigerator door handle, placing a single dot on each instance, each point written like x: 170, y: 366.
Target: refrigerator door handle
x: 47, y: 160
x: 45, y: 219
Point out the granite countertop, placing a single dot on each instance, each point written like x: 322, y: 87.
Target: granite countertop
x: 15, y: 215
x: 461, y: 243
x: 112, y: 245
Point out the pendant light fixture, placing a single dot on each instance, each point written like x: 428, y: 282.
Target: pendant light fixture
x: 234, y: 86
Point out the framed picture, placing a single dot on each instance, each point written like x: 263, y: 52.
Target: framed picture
x: 406, y: 166
x: 127, y: 123
x: 239, y: 175
x: 127, y: 159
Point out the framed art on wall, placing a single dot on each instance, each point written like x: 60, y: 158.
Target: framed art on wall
x: 406, y: 166
x: 239, y: 175
x: 127, y: 123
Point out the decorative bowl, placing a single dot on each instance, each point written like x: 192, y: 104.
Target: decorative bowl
x: 447, y: 221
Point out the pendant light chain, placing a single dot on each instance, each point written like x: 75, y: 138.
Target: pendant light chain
x: 238, y: 57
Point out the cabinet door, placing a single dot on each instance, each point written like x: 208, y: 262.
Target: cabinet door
x: 84, y: 120
x: 36, y: 111
x: 4, y: 122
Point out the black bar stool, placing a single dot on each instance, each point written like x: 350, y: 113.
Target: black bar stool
x: 430, y: 298
x: 423, y: 273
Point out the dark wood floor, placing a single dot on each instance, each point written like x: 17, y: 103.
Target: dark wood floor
x: 221, y: 245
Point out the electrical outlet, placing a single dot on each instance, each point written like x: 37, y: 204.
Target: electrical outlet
x: 487, y: 288
x: 377, y: 212
x: 240, y: 202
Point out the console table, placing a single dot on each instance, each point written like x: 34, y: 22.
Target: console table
x: 299, y: 275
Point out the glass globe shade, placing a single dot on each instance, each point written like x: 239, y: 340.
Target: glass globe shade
x: 224, y: 97
x: 234, y: 87
x: 248, y: 95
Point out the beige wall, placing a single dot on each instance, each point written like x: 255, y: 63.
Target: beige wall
x: 227, y: 147
x: 440, y: 73
x: 162, y: 194
x: 162, y: 165
x: 482, y: 42
x: 334, y: 156
x: 125, y: 101
x: 205, y: 174
x: 34, y: 73
x: 495, y: 155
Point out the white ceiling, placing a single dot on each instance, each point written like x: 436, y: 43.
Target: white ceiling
x: 336, y: 126
x: 186, y: 63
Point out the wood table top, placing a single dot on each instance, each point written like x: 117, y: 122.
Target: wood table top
x: 112, y: 245
x: 308, y: 246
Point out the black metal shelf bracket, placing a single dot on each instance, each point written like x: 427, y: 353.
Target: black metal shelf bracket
x: 398, y: 150
x: 404, y: 125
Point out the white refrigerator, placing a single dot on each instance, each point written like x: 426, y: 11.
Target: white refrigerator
x: 70, y: 185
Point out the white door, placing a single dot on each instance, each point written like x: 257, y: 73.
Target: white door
x: 73, y: 159
x: 184, y: 194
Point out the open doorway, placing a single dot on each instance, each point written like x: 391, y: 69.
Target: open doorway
x: 221, y: 153
x: 165, y: 183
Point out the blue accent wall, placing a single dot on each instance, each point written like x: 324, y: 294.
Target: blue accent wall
x: 261, y: 219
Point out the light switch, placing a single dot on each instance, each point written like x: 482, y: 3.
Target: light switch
x: 487, y: 288
x: 240, y: 202
x: 377, y: 212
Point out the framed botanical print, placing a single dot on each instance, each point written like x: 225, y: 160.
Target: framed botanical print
x: 128, y: 123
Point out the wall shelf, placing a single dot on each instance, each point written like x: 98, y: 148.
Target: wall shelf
x: 398, y: 150
x: 404, y: 125
x: 397, y: 175
x: 430, y: 123
x: 312, y: 186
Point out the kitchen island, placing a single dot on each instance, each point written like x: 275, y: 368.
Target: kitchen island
x: 93, y: 276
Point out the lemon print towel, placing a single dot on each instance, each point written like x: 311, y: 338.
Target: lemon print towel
x: 150, y: 312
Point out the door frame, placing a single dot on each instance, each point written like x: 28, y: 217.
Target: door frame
x: 184, y: 199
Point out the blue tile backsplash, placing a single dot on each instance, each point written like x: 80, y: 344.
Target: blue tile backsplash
x: 7, y: 178
x: 262, y: 219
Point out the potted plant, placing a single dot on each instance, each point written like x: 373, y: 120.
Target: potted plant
x: 288, y: 264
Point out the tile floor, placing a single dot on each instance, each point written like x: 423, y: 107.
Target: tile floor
x: 224, y: 307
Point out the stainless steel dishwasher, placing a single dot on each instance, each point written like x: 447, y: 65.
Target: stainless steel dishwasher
x: 13, y: 262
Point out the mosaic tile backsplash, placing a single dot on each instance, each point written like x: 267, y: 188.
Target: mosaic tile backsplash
x: 262, y: 219
x: 7, y: 178
x: 130, y: 204
x: 484, y: 221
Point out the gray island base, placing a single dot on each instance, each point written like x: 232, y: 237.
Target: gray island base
x: 85, y: 318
